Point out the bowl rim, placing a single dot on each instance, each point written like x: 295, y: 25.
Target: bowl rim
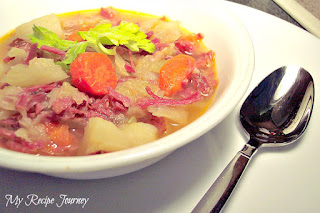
x: 79, y: 164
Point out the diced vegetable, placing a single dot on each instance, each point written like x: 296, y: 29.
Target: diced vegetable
x: 9, y: 97
x: 135, y: 89
x: 148, y: 68
x: 167, y: 31
x: 175, y: 72
x: 176, y: 114
x: 66, y: 90
x: 59, y: 134
x: 18, y: 54
x: 166, y: 52
x: 51, y: 22
x: 93, y: 73
x: 148, y: 25
x: 102, y: 135
x: 120, y: 65
x: 39, y: 71
x: 22, y: 133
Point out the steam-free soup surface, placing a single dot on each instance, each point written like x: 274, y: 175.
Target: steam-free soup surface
x: 100, y: 81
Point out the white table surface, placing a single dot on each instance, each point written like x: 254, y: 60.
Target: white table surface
x: 277, y: 180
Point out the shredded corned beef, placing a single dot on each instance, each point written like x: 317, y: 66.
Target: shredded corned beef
x: 53, y: 50
x: 202, y: 84
x: 144, y: 103
x: 129, y: 68
x: 158, y: 44
x: 20, y: 43
x: 149, y: 34
x: 158, y: 122
x: 118, y: 97
x: 32, y: 53
x: 7, y: 59
x: 184, y: 46
x: 16, y: 143
x: 9, y: 122
x: 33, y: 102
x: 205, y: 59
x: 154, y: 96
x: 4, y: 85
x: 107, y: 107
x: 62, y: 104
x: 131, y: 59
x: 42, y: 88
x: 24, y: 147
x: 108, y: 13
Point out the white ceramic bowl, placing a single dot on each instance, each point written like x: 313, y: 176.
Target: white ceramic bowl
x: 223, y: 33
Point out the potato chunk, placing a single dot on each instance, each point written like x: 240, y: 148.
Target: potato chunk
x: 51, y: 22
x: 39, y: 71
x: 102, y: 135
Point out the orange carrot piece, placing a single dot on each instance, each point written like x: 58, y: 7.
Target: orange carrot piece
x: 93, y: 73
x: 59, y: 134
x: 175, y: 72
x: 74, y: 36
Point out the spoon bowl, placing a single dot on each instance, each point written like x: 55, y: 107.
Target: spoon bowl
x: 275, y: 113
x: 278, y: 110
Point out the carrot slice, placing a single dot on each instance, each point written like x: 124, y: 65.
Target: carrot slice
x: 175, y: 72
x: 59, y: 134
x: 74, y: 36
x: 93, y: 73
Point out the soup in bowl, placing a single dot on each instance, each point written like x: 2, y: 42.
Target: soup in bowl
x: 99, y: 93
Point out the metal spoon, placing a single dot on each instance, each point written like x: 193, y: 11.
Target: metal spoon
x: 276, y: 113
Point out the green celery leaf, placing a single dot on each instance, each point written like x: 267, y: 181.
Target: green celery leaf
x: 43, y: 36
x: 127, y: 34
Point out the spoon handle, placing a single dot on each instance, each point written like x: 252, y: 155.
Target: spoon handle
x: 219, y: 192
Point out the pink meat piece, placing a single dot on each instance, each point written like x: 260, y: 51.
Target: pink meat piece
x: 53, y: 50
x: 28, y: 101
x: 20, y: 43
x: 9, y: 122
x: 7, y: 59
x: 149, y: 34
x: 144, y: 103
x: 129, y: 68
x: 62, y: 104
x: 185, y: 47
x: 158, y: 122
x: 42, y: 88
x: 16, y: 143
x: 108, y: 13
x: 32, y: 53
x: 202, y: 84
x: 119, y: 97
x: 158, y: 44
x: 205, y: 59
